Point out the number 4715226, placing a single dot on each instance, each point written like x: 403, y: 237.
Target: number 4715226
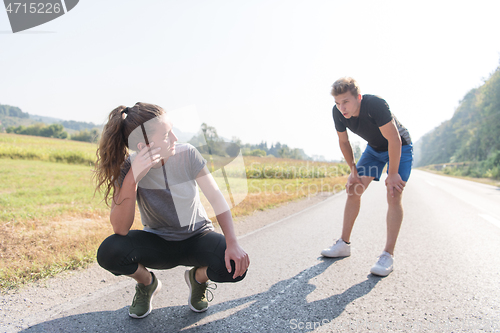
x: 34, y: 8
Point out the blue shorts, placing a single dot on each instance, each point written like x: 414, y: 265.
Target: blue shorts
x: 372, y: 162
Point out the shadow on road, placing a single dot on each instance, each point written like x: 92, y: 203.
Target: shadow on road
x: 282, y: 308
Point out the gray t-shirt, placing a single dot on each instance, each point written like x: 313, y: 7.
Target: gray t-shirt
x: 168, y: 197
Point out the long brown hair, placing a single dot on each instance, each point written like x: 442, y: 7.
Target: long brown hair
x: 116, y: 141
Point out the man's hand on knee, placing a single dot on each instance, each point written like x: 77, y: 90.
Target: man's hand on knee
x: 352, y: 181
x: 394, y: 182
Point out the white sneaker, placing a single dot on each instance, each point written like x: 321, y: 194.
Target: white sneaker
x: 339, y: 249
x: 384, y: 265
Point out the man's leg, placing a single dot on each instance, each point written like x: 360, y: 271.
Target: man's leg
x: 395, y: 210
x: 394, y: 219
x: 340, y: 248
x: 385, y: 263
x: 352, y: 206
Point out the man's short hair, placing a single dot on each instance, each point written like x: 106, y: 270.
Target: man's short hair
x: 344, y: 85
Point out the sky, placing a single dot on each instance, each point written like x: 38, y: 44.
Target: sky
x: 255, y: 70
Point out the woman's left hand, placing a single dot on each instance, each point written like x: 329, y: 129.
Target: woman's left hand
x: 239, y: 256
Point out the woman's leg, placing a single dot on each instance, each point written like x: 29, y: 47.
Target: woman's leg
x: 130, y: 255
x: 201, y: 275
x: 142, y: 275
x: 124, y: 255
x: 207, y: 252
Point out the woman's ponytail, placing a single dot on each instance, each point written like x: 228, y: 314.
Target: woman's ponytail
x: 111, y: 153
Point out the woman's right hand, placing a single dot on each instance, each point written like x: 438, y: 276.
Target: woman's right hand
x: 144, y: 161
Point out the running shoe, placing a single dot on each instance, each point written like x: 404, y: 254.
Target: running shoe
x: 384, y: 265
x: 143, y: 299
x: 339, y: 249
x: 197, y: 300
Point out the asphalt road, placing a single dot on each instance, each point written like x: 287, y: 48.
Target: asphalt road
x: 446, y: 277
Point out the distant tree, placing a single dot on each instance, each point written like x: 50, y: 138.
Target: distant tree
x: 262, y: 146
x: 54, y: 131
x: 471, y: 135
x: 12, y: 129
x: 284, y: 152
x: 274, y: 150
x: 207, y: 141
x: 12, y: 111
x: 233, y: 149
x: 86, y: 136
x: 257, y: 152
x: 77, y: 125
x: 39, y: 129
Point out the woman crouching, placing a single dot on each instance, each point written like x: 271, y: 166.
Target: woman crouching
x: 162, y: 177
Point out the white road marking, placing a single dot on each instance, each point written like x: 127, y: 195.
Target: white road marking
x: 490, y: 219
x: 430, y: 183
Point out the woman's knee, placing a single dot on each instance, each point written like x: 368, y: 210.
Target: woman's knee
x: 111, y: 251
x: 213, y: 253
x: 220, y: 273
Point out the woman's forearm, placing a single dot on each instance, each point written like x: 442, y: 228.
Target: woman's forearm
x: 225, y: 220
x: 223, y: 215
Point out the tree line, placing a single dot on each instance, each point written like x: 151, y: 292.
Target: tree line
x: 87, y: 132
x: 207, y: 141
x: 55, y: 131
x: 471, y: 135
x: 12, y: 111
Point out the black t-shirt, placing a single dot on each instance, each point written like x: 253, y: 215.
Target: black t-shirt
x: 374, y: 113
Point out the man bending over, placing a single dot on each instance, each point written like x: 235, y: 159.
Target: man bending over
x: 388, y: 141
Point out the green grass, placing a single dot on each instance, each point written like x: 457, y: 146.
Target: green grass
x: 27, y: 147
x: 49, y: 220
x: 33, y: 190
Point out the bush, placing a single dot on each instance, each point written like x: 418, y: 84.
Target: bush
x: 40, y: 129
x: 254, y: 152
x: 86, y: 136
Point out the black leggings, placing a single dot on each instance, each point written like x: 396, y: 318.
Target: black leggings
x: 121, y: 254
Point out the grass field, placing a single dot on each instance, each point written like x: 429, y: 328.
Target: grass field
x: 50, y: 220
x: 13, y: 146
